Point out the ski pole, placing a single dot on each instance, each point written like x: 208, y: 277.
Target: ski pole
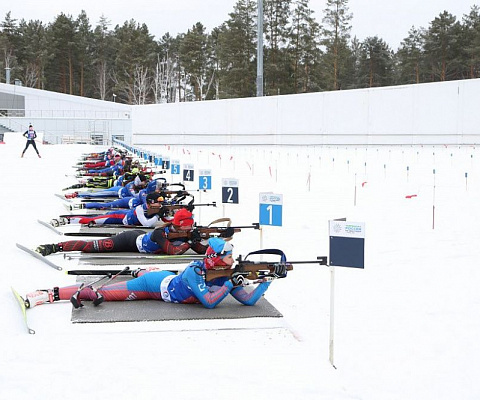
x: 75, y: 300
x: 100, y: 297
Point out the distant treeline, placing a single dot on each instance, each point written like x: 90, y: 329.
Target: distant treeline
x: 301, y: 55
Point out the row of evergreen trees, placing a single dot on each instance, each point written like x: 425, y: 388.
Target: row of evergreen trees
x: 300, y: 55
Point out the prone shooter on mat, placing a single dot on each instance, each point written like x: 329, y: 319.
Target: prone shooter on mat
x: 192, y: 285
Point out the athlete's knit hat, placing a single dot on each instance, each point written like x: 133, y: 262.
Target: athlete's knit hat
x: 183, y: 217
x: 154, y: 198
x: 217, y: 249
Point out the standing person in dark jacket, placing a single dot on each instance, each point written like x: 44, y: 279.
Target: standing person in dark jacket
x: 31, y: 136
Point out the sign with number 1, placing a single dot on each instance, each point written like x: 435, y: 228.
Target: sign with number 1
x: 271, y: 209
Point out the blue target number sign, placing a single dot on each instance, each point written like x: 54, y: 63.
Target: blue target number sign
x: 205, y: 179
x: 166, y: 163
x: 230, y: 191
x: 175, y: 167
x: 188, y: 173
x: 158, y: 160
x: 270, y: 209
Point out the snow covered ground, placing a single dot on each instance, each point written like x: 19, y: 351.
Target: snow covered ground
x: 406, y: 327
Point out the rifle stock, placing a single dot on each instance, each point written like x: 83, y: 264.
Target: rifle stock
x: 205, y: 232
x: 253, y: 270
x: 178, y: 206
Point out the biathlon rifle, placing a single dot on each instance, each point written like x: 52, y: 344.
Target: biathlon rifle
x: 252, y: 270
x: 205, y: 232
x: 257, y: 270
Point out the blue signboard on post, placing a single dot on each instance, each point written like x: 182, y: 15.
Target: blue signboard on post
x: 230, y: 191
x: 175, y: 167
x: 271, y: 209
x: 347, y: 244
x: 205, y: 179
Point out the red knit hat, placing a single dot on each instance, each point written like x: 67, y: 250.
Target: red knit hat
x: 183, y: 217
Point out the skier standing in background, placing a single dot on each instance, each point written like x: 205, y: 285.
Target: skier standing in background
x: 31, y: 136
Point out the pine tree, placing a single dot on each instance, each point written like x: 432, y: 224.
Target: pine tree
x: 135, y: 57
x: 103, y: 55
x: 376, y: 67
x: 471, y: 29
x: 277, y: 63
x: 84, y: 56
x: 60, y: 66
x: 410, y: 57
x: 440, y: 42
x: 236, y: 52
x: 337, y: 33
x: 304, y: 47
x: 194, y: 58
x: 9, y: 43
x: 32, y: 53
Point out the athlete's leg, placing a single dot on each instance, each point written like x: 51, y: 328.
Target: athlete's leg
x: 143, y: 288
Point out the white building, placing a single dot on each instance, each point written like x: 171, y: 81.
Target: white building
x: 430, y: 113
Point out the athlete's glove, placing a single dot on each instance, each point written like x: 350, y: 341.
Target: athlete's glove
x: 195, y: 236
x: 280, y: 271
x: 228, y: 232
x: 238, y: 278
x: 135, y: 272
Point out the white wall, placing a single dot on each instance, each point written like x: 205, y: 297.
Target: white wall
x: 57, y: 114
x: 431, y: 113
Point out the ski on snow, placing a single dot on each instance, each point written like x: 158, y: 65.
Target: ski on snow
x: 38, y: 256
x: 21, y: 303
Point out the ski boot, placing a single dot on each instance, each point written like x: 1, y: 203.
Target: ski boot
x: 60, y: 221
x: 77, y: 206
x: 46, y: 249
x: 40, y: 297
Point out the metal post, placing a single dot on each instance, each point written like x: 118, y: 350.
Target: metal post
x: 7, y: 75
x: 260, y: 48
x: 332, y: 318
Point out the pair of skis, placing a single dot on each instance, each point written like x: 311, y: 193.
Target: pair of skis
x: 74, y: 299
x: 122, y: 257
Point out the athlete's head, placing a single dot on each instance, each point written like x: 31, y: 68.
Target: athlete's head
x: 154, y: 200
x: 219, y: 254
x: 183, y: 219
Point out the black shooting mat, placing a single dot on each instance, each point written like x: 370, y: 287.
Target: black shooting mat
x: 157, y: 310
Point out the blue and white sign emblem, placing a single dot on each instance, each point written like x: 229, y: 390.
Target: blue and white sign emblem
x: 271, y: 209
x: 347, y: 244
